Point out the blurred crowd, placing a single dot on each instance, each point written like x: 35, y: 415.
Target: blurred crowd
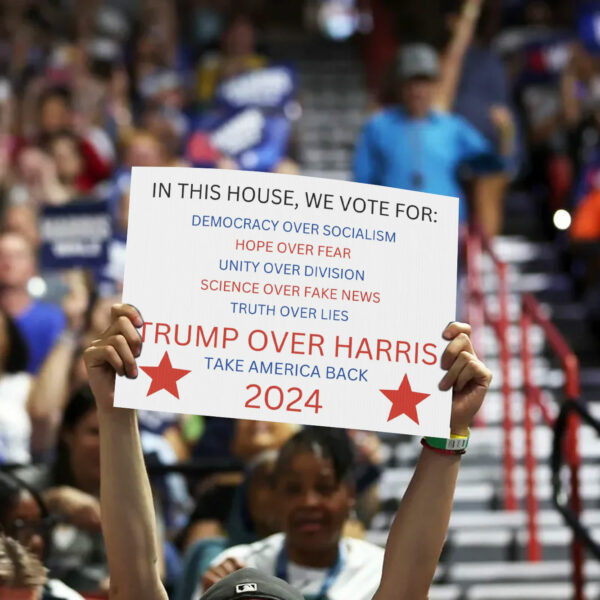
x: 502, y: 96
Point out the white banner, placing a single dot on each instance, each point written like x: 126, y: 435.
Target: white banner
x: 287, y: 298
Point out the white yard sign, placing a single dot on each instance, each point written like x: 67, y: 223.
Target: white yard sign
x: 287, y: 298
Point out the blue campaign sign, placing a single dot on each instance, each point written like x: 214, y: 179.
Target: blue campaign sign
x: 256, y: 140
x: 268, y: 88
x: 75, y: 235
x: 546, y: 59
x: 588, y: 25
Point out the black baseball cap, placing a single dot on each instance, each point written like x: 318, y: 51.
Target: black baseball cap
x: 251, y: 583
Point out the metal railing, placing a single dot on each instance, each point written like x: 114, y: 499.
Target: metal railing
x: 478, y: 315
x: 533, y: 313
x: 566, y: 425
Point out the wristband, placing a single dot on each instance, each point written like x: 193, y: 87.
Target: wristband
x: 439, y: 450
x: 455, y: 443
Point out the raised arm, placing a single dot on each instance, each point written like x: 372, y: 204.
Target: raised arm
x: 125, y: 498
x: 454, y: 54
x: 417, y: 535
x: 52, y: 387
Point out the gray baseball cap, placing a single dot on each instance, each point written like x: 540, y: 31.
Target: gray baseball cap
x: 251, y: 584
x: 417, y: 60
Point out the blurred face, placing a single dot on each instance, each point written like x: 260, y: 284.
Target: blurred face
x: 56, y: 115
x: 24, y: 523
x: 312, y: 504
x: 31, y: 163
x: 84, y: 451
x: 538, y: 12
x: 22, y: 219
x: 239, y: 38
x: 253, y: 437
x: 69, y: 164
x: 160, y: 126
x: 17, y: 263
x: 417, y: 95
x: 144, y: 152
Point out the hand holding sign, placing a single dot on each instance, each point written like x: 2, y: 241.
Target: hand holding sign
x: 466, y: 374
x: 115, y: 351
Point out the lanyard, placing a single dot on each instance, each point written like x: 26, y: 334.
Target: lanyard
x: 332, y: 574
x: 415, y: 135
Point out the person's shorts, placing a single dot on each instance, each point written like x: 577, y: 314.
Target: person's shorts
x: 480, y: 166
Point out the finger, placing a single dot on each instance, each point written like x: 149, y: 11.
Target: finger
x: 209, y: 579
x: 474, y: 371
x: 231, y: 565
x: 123, y: 326
x: 462, y: 342
x: 454, y: 328
x: 126, y: 310
x: 119, y: 343
x: 238, y: 564
x: 90, y: 522
x: 450, y: 377
x: 100, y: 356
x: 92, y: 512
x: 86, y: 519
x: 220, y: 571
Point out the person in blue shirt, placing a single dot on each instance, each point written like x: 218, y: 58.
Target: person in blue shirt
x: 411, y: 145
x: 40, y: 323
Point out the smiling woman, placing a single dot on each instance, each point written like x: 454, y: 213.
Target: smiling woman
x: 314, y: 496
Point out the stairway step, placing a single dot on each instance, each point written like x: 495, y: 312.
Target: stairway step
x: 445, y: 592
x: 528, y: 591
x: 510, y: 571
x: 502, y: 519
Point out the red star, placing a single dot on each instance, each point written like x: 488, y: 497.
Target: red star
x: 164, y: 377
x: 404, y: 401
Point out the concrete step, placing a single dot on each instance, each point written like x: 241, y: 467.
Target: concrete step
x: 472, y: 496
x: 519, y: 249
x: 491, y: 346
x: 509, y: 571
x: 477, y: 521
x: 484, y: 545
x: 528, y: 591
x: 493, y: 544
x: 445, y: 592
x: 546, y: 285
x: 395, y: 478
x: 492, y: 411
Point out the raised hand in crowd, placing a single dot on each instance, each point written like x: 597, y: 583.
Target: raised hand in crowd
x: 55, y: 381
x: 78, y: 508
